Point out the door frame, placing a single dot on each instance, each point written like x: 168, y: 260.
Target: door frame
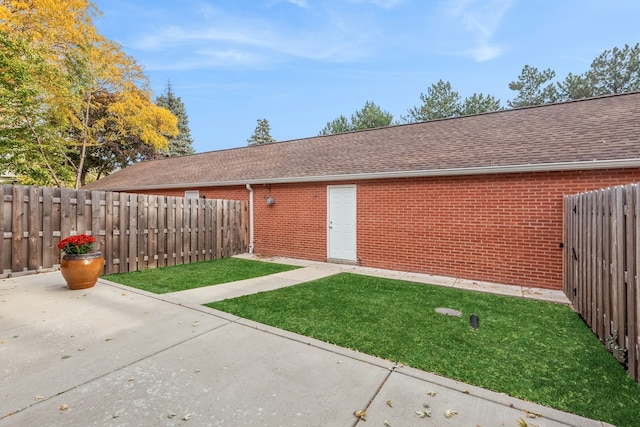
x: 355, y: 220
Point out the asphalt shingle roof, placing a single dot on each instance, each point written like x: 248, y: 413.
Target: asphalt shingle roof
x: 594, y: 130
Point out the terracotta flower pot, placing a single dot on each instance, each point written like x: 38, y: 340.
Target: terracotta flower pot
x: 81, y: 271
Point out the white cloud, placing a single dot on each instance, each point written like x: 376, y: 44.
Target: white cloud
x: 300, y: 3
x: 480, y: 21
x: 485, y: 52
x: 223, y: 38
x: 385, y: 4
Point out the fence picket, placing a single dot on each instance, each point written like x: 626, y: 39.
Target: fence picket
x: 123, y: 238
x: 599, y: 270
x: 49, y: 248
x: 630, y: 294
x: 16, y: 228
x: 171, y: 231
x: 34, y: 220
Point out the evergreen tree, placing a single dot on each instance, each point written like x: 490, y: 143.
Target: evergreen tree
x: 369, y: 117
x: 616, y: 71
x: 180, y: 145
x: 534, y: 87
x: 261, y: 135
x: 441, y: 102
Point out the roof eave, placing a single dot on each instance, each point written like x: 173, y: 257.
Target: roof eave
x: 484, y: 170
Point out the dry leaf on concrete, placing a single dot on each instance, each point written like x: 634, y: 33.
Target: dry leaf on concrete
x: 361, y: 415
x: 423, y: 414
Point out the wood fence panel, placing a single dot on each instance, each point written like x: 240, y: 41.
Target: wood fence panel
x: 602, y: 247
x: 134, y: 231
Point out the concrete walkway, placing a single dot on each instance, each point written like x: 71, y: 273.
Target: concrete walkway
x: 315, y: 270
x: 117, y: 356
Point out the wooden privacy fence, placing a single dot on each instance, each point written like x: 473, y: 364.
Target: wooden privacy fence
x: 134, y: 231
x: 601, y: 267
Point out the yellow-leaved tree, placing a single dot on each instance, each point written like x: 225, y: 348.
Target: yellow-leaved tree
x: 73, y: 97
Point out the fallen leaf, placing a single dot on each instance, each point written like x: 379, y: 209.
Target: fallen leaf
x: 389, y: 404
x: 450, y: 413
x: 466, y: 391
x: 172, y: 415
x: 361, y: 415
x: 64, y: 407
x: 423, y: 414
x: 108, y: 339
x: 431, y: 393
x: 531, y: 414
x: 66, y: 356
x: 186, y: 417
x: 387, y: 423
x: 39, y: 397
x: 522, y: 423
x: 196, y: 370
x: 119, y: 413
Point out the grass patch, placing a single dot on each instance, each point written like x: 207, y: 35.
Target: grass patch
x: 532, y: 350
x: 196, y: 275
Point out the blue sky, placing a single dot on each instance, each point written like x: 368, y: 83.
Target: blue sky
x: 303, y: 63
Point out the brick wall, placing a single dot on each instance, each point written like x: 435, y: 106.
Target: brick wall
x: 498, y: 228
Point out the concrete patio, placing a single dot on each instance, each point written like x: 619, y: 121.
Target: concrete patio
x: 117, y: 356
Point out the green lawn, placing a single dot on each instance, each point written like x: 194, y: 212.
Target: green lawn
x: 196, y: 275
x: 532, y: 350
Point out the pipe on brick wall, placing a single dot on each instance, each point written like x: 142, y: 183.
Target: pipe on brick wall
x: 250, y: 218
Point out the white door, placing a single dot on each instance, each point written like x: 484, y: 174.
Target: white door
x: 341, y: 222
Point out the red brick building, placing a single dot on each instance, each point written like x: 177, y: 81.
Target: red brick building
x: 476, y: 197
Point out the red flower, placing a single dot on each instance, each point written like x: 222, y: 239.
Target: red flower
x: 80, y: 244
